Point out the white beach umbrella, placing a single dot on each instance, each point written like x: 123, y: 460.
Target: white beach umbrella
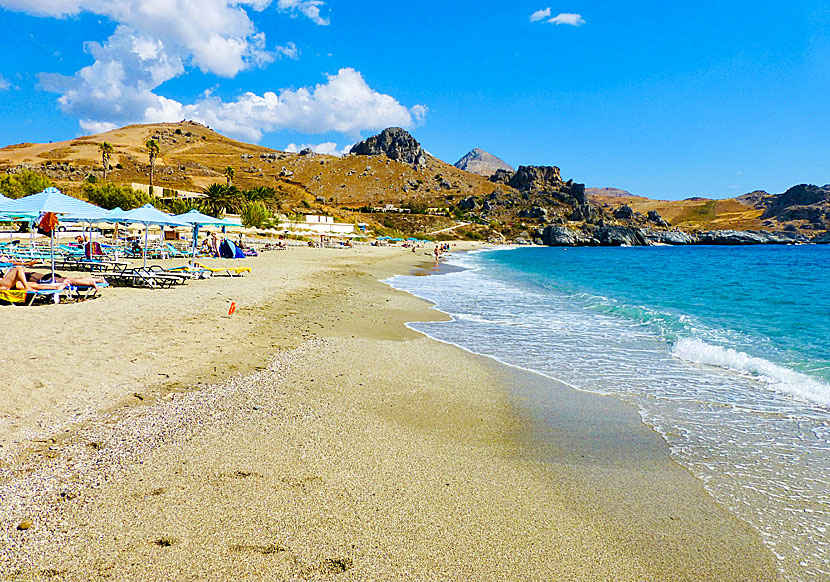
x: 147, y: 215
x: 53, y: 200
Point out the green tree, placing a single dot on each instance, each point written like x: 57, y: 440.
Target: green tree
x: 23, y: 183
x: 265, y: 194
x: 153, y: 150
x: 106, y: 151
x: 110, y: 195
x: 229, y: 174
x: 220, y: 198
x: 257, y: 215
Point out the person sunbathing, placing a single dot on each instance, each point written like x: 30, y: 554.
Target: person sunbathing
x: 15, y: 280
x: 73, y: 281
x: 15, y: 261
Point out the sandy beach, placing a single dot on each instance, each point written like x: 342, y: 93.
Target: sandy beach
x: 147, y: 435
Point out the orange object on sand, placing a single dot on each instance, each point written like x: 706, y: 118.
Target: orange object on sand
x: 233, y: 308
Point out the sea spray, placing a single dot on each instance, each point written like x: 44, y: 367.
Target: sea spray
x: 777, y: 377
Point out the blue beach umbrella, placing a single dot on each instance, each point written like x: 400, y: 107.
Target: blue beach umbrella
x: 198, y: 219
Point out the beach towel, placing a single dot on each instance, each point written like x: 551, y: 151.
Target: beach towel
x: 13, y: 295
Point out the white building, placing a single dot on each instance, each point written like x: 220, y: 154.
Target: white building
x: 317, y: 224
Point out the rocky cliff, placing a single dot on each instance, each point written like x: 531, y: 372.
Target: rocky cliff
x: 396, y: 144
x: 482, y: 163
x: 618, y: 235
x: 803, y: 202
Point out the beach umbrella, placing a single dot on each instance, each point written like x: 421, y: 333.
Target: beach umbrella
x: 198, y: 219
x: 53, y: 200
x: 147, y: 215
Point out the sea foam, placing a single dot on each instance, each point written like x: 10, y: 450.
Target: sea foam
x: 777, y: 377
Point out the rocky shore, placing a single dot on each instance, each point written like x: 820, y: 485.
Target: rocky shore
x: 616, y: 236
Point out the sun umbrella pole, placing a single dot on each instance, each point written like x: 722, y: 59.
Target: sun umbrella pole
x: 146, y: 233
x: 195, y: 238
x: 52, y: 251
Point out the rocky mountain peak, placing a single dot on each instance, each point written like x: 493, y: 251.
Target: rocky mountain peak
x: 396, y: 144
x: 482, y: 163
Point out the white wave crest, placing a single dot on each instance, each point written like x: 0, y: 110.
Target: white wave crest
x: 779, y: 378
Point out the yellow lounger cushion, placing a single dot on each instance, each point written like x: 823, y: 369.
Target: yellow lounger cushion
x: 229, y: 270
x: 13, y: 296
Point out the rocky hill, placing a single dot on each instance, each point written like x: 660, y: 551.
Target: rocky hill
x: 477, y: 161
x: 392, y: 168
x: 608, y: 193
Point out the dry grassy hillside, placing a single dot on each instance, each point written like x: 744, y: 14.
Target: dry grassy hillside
x: 193, y: 156
x: 694, y: 213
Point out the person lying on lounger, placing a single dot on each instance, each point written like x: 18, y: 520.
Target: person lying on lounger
x: 16, y: 261
x: 74, y: 281
x: 15, y: 280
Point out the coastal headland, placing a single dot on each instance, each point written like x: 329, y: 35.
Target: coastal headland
x: 147, y: 435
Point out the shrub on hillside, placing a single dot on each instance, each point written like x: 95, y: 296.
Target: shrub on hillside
x: 23, y: 183
x: 111, y: 195
x: 257, y: 215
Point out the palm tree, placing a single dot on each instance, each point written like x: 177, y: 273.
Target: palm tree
x: 153, y: 150
x: 264, y: 194
x: 229, y: 173
x: 106, y: 151
x: 220, y: 198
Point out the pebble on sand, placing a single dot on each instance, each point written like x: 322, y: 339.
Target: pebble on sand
x: 24, y: 525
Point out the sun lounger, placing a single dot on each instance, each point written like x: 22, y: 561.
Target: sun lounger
x: 84, y: 292
x: 141, y: 277
x: 16, y: 296
x: 225, y: 271
x: 193, y: 272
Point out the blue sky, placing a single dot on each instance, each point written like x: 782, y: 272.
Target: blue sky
x: 667, y: 100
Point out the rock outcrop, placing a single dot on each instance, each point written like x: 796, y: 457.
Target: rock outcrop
x: 537, y: 179
x: 468, y: 203
x: 614, y: 235
x: 618, y: 236
x: 502, y: 176
x: 654, y: 216
x: 803, y: 202
x: 624, y: 212
x: 482, y: 163
x: 668, y: 237
x: 562, y: 236
x: 396, y: 144
x: 608, y: 192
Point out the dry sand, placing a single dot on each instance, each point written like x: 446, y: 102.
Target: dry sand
x: 329, y: 441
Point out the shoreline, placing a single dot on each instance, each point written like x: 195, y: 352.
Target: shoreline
x: 366, y: 448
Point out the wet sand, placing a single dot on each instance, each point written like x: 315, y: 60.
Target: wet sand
x: 330, y: 440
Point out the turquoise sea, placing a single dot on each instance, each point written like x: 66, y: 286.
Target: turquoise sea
x: 725, y: 351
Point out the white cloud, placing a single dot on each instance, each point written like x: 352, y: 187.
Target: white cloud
x: 328, y: 147
x: 345, y: 104
x: 563, y: 18
x: 4, y: 84
x: 309, y: 8
x: 216, y: 35
x: 92, y: 127
x: 289, y: 51
x: 102, y: 97
x: 158, y: 40
x: 540, y: 15
x: 566, y: 18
